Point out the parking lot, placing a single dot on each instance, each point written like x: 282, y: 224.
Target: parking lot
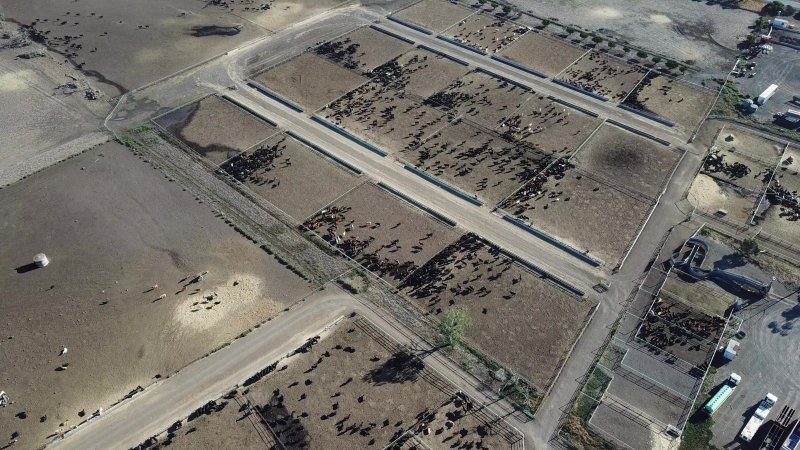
x: 778, y: 67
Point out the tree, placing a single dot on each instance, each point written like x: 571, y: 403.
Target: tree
x: 641, y: 54
x: 454, y: 325
x: 749, y: 247
x: 789, y: 10
x: 612, y: 44
x: 570, y: 30
x: 656, y: 59
x: 774, y: 8
x: 671, y: 64
x: 545, y: 23
x: 583, y: 35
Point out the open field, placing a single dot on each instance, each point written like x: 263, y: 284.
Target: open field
x: 435, y: 15
x: 710, y: 196
x: 275, y: 15
x: 385, y: 117
x: 419, y: 72
x: 517, y: 316
x: 542, y: 53
x: 581, y: 211
x: 125, y: 45
x: 355, y: 388
x: 627, y: 160
x: 477, y: 161
x: 44, y: 107
x: 216, y: 128
x: 383, y: 233
x: 481, y: 98
x: 363, y: 49
x: 549, y: 126
x: 671, y: 99
x: 602, y: 75
x: 113, y: 229
x: 291, y: 176
x: 485, y: 32
x: 748, y: 143
x: 310, y: 80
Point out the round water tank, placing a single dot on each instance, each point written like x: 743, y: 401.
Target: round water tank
x: 41, y: 260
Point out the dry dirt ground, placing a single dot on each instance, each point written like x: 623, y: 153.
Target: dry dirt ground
x: 216, y: 128
x: 310, y: 80
x: 385, y: 117
x: 485, y: 32
x: 355, y: 388
x: 124, y: 45
x: 549, y: 126
x: 44, y: 108
x: 382, y: 232
x: 481, y: 98
x: 710, y: 195
x: 435, y: 15
x: 602, y: 75
x: 749, y: 143
x: 672, y: 99
x: 291, y: 176
x: 478, y: 161
x: 719, y: 162
x: 627, y: 160
x: 518, y: 318
x: 542, y: 53
x: 419, y: 72
x: 581, y: 211
x: 776, y: 220
x: 114, y: 228
x: 363, y: 49
x: 275, y: 15
x: 703, y: 295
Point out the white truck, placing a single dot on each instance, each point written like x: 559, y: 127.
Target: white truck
x: 758, y: 417
x: 764, y: 96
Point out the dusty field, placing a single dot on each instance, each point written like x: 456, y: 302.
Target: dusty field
x: 383, y: 233
x: 703, y: 295
x: 435, y: 15
x: 517, y: 317
x: 385, y: 117
x: 549, y: 126
x: 123, y: 45
x: 737, y: 140
x: 419, y: 72
x: 738, y: 169
x: 216, y: 128
x: 481, y: 98
x: 710, y: 196
x: 310, y: 80
x: 353, y: 389
x: 542, y: 53
x: 113, y: 228
x: 477, y: 161
x: 276, y: 15
x: 291, y: 176
x: 363, y: 49
x: 602, y: 75
x: 581, y: 211
x: 671, y: 99
x: 627, y: 160
x: 42, y: 111
x: 485, y: 32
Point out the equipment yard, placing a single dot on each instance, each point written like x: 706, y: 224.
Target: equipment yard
x: 515, y: 311
x: 216, y: 128
x: 382, y: 232
x: 603, y: 75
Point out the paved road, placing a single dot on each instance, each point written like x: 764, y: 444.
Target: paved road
x: 175, y: 397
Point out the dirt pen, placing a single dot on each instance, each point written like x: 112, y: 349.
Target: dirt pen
x: 363, y: 49
x: 581, y: 211
x: 419, y: 72
x: 627, y: 161
x: 385, y: 234
x: 485, y: 32
x: 782, y: 216
x: 517, y: 316
x: 310, y: 80
x: 434, y: 15
x: 216, y: 128
x: 542, y: 53
x: 602, y: 75
x: 291, y: 176
x: 672, y: 99
x: 142, y: 280
x: 352, y: 389
x: 477, y: 161
x: 385, y: 117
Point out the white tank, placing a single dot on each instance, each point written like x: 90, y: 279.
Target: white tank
x: 41, y: 260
